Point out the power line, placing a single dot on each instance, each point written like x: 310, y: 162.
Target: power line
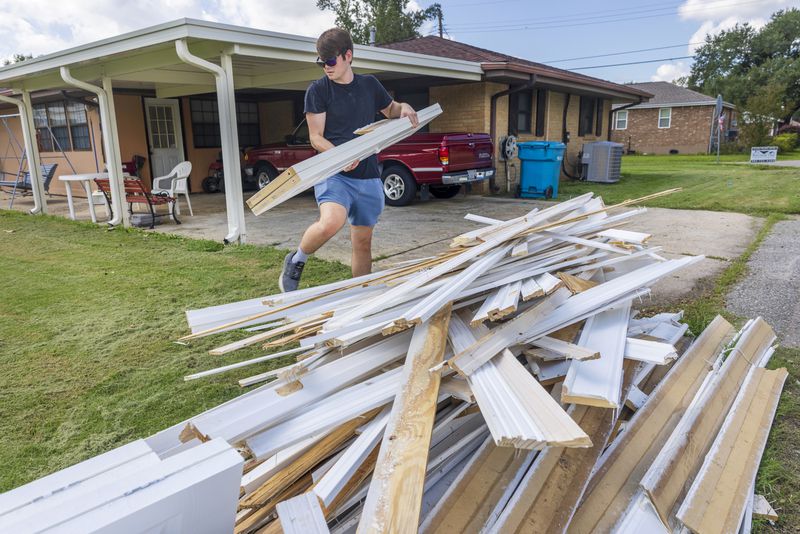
x: 620, y: 53
x: 486, y: 28
x: 631, y: 63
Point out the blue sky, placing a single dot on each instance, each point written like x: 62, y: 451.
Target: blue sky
x: 532, y: 29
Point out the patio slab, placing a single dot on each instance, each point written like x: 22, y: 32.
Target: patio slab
x: 424, y: 228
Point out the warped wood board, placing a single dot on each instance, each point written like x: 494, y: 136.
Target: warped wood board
x: 311, y: 171
x: 559, y: 310
x: 470, y: 499
x: 644, y: 350
x: 237, y: 420
x: 716, y: 500
x: 302, y: 515
x: 345, y: 467
x: 194, y: 491
x: 621, y: 468
x: 254, y: 478
x: 552, y: 488
x: 395, y: 493
x: 763, y: 509
x: 599, y: 382
x: 670, y: 474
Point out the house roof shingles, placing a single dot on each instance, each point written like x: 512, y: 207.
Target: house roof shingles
x: 669, y: 94
x: 490, y: 60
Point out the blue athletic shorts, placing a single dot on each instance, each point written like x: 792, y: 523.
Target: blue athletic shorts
x: 362, y: 198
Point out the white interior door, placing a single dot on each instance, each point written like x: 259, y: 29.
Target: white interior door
x: 164, y: 134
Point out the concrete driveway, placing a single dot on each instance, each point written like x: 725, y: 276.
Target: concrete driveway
x: 424, y: 228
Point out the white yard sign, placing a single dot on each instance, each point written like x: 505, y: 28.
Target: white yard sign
x: 763, y: 154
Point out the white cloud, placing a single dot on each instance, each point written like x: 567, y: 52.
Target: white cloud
x: 670, y: 71
x: 42, y: 26
x: 716, y: 16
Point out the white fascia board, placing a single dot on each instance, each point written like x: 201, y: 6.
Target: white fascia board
x: 327, y: 413
x: 302, y: 515
x: 640, y: 517
x: 80, y: 475
x: 599, y: 382
x: 644, y: 350
x: 236, y: 421
x: 200, y: 485
x: 626, y: 236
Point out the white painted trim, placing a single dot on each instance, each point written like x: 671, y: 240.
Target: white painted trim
x: 617, y: 120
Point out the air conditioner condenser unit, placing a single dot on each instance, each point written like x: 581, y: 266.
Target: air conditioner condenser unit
x: 601, y: 162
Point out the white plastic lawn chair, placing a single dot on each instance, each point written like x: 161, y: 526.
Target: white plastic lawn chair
x: 175, y: 183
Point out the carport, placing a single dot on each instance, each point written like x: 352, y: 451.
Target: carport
x: 188, y: 57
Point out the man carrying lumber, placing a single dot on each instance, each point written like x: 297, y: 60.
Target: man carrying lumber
x: 335, y: 106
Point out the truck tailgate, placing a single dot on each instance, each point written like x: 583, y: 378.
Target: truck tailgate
x: 468, y: 151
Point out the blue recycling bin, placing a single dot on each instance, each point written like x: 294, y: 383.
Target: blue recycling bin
x: 541, y: 167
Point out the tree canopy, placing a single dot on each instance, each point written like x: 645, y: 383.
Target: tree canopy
x: 748, y: 66
x: 392, y: 19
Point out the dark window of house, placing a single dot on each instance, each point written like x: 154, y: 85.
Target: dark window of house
x: 598, y: 129
x: 541, y: 111
x: 247, y: 120
x: 61, y: 126
x: 586, y: 117
x: 205, y: 123
x: 519, y: 112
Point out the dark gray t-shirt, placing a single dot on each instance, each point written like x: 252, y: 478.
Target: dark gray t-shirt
x: 348, y: 107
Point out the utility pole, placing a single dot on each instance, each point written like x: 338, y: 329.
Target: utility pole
x: 440, y: 21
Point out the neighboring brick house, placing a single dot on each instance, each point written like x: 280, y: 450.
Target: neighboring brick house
x: 544, y: 103
x: 675, y: 120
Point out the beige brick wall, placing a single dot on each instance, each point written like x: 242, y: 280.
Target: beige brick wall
x: 688, y: 131
x: 467, y: 107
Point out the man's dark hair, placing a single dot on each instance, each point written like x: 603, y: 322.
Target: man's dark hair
x: 334, y: 42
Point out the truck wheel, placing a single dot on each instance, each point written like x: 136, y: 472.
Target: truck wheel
x: 264, y: 174
x: 445, y: 191
x: 399, y: 187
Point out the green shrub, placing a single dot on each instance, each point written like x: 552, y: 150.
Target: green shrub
x: 786, y: 142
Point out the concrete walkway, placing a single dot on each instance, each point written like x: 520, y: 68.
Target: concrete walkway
x: 772, y: 286
x: 425, y: 228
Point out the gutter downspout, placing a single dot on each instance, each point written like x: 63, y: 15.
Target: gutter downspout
x: 567, y: 98
x: 110, y: 140
x: 32, y: 151
x: 612, y: 111
x: 493, y: 118
x: 231, y: 168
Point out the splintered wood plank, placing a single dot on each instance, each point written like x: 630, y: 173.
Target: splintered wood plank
x: 291, y: 473
x: 552, y: 488
x: 668, y: 479
x: 471, y: 498
x: 394, y: 499
x: 763, y: 509
x: 717, y: 499
x: 617, y: 478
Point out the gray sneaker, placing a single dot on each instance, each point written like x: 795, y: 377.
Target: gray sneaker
x: 291, y: 273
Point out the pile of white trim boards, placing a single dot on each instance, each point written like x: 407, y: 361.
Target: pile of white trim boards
x: 503, y: 385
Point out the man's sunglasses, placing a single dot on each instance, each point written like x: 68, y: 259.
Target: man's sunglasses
x: 327, y: 62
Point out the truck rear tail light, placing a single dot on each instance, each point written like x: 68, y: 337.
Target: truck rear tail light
x: 444, y: 155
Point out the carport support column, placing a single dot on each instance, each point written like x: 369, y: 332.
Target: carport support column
x: 31, y: 149
x: 226, y: 103
x: 108, y: 121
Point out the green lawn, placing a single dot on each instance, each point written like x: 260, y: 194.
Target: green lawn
x: 87, y: 320
x: 725, y: 186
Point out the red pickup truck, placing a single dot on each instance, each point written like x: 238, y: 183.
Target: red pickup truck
x: 440, y: 162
